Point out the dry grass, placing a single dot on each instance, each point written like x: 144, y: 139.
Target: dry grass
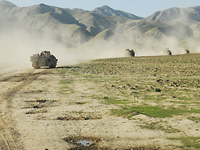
x: 157, y: 86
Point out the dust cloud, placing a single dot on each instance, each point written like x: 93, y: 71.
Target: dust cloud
x: 17, y: 45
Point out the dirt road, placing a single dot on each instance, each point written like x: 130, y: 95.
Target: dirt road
x: 11, y: 82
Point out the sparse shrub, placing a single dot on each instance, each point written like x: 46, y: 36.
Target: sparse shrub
x: 158, y: 90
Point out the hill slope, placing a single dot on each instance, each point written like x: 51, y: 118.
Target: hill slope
x: 108, y: 11
x: 76, y: 27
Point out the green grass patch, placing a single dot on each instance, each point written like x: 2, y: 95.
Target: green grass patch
x: 184, y: 79
x: 149, y: 97
x: 62, y: 71
x: 66, y: 90
x: 140, y: 88
x: 76, y: 74
x: 187, y: 90
x: 154, y: 97
x: 89, y: 76
x: 189, y: 142
x: 111, y: 100
x: 151, y: 84
x: 65, y: 81
x: 178, y: 102
x: 114, y: 100
x: 194, y: 118
x: 152, y: 111
x: 185, y: 98
x: 158, y: 126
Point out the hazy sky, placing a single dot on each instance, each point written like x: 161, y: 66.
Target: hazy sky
x: 141, y: 8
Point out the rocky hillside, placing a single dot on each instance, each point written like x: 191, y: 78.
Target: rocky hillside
x: 107, y: 11
x: 76, y: 27
x: 176, y: 13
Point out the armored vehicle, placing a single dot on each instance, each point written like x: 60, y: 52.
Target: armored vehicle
x: 168, y: 52
x: 130, y: 52
x: 45, y: 58
x: 187, y: 51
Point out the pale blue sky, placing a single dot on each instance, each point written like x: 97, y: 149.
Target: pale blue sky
x: 141, y: 8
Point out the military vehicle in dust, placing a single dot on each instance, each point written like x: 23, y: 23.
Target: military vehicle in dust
x: 187, y: 51
x: 130, y: 52
x: 45, y: 58
x: 168, y: 52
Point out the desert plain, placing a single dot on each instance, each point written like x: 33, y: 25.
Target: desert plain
x: 148, y: 102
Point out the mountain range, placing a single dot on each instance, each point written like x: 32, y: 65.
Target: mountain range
x: 78, y: 27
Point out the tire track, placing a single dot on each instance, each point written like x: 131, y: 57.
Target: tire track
x: 9, y: 139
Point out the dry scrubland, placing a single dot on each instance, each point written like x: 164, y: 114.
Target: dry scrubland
x: 125, y: 103
x: 159, y: 93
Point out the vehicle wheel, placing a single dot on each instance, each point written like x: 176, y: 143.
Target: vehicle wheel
x: 53, y: 62
x: 53, y: 65
x: 35, y: 65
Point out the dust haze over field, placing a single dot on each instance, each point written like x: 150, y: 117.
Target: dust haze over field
x: 17, y: 47
x: 76, y: 35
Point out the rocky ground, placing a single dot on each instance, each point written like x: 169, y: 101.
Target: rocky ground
x: 119, y: 103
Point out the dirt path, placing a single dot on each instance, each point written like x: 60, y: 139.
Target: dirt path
x: 9, y: 138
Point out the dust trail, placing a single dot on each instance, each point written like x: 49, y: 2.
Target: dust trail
x: 18, y: 44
